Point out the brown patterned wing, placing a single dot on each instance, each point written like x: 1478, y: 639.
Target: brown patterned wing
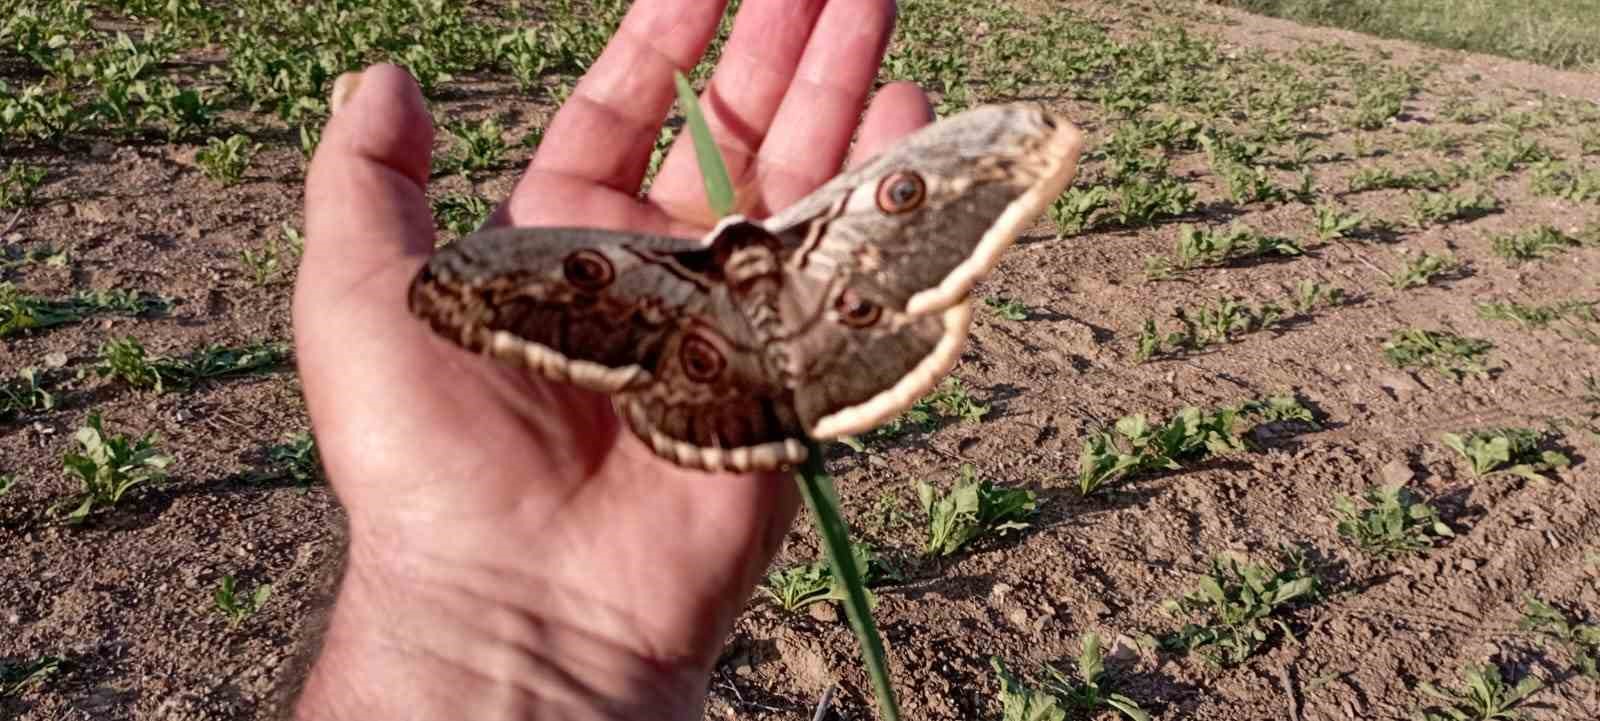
x: 881, y: 260
x: 588, y: 307
x: 854, y: 363
x: 917, y: 226
x: 647, y: 319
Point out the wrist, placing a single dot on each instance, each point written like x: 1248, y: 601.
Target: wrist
x: 404, y: 641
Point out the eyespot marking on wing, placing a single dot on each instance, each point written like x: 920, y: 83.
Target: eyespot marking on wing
x: 588, y: 270
x: 855, y: 311
x: 701, y: 360
x: 889, y: 402
x: 901, y: 192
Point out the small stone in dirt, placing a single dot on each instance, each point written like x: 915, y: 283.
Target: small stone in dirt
x: 1397, y: 473
x: 55, y: 360
x: 92, y: 211
x: 1018, y: 617
x: 1469, y: 565
x: 999, y: 591
x: 823, y: 612
x: 1123, y: 649
x: 1399, y: 385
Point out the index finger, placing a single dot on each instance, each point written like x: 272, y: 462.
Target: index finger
x: 603, y: 134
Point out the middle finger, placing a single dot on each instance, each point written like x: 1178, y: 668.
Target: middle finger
x: 742, y: 97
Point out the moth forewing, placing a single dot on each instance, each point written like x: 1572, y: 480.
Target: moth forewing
x: 1056, y: 166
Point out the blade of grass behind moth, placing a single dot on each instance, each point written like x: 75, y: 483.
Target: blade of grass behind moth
x: 719, y: 188
x: 823, y: 500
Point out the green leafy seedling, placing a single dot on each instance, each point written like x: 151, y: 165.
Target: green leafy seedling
x: 1059, y: 693
x: 1090, y: 692
x: 226, y: 160
x: 799, y: 586
x: 1566, y: 180
x: 951, y: 402
x: 1332, y: 223
x: 19, y: 185
x: 108, y: 467
x: 1309, y: 294
x: 126, y: 360
x: 460, y: 213
x: 1074, y: 211
x: 970, y: 509
x: 1486, y: 697
x: 1581, y: 640
x: 1393, y: 522
x: 1136, y: 446
x: 24, y: 394
x: 1534, y: 317
x: 1199, y: 247
x: 1506, y: 450
x: 236, y: 607
x: 1418, y: 272
x: 274, y: 257
x: 296, y: 459
x: 1279, y: 408
x: 1021, y: 702
x: 18, y: 678
x: 1535, y: 243
x: 1007, y: 308
x: 803, y: 584
x: 1142, y: 200
x: 20, y: 312
x: 1436, y: 208
x: 1239, y: 604
x: 44, y: 254
x: 478, y: 147
x: 1450, y: 354
x: 1201, y: 326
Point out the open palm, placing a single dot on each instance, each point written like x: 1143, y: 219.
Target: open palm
x: 477, y: 481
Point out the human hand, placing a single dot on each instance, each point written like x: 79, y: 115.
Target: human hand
x: 513, y: 551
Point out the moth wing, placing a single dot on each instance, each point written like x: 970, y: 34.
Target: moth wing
x: 917, y: 226
x: 850, y: 373
x: 590, y: 307
x: 645, y: 318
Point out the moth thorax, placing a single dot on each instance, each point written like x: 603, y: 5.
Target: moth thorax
x: 752, y: 269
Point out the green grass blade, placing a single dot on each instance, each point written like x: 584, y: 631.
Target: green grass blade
x: 823, y: 500
x: 719, y: 189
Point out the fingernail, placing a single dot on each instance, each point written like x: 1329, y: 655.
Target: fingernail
x: 344, y: 88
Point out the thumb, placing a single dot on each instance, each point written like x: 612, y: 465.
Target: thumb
x: 365, y: 199
x: 368, y: 229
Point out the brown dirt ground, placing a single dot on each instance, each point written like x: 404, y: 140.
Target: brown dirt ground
x: 127, y: 600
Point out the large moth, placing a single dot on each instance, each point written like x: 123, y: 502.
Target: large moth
x: 824, y: 320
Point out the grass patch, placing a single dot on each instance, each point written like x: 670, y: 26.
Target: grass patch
x: 1561, y: 33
